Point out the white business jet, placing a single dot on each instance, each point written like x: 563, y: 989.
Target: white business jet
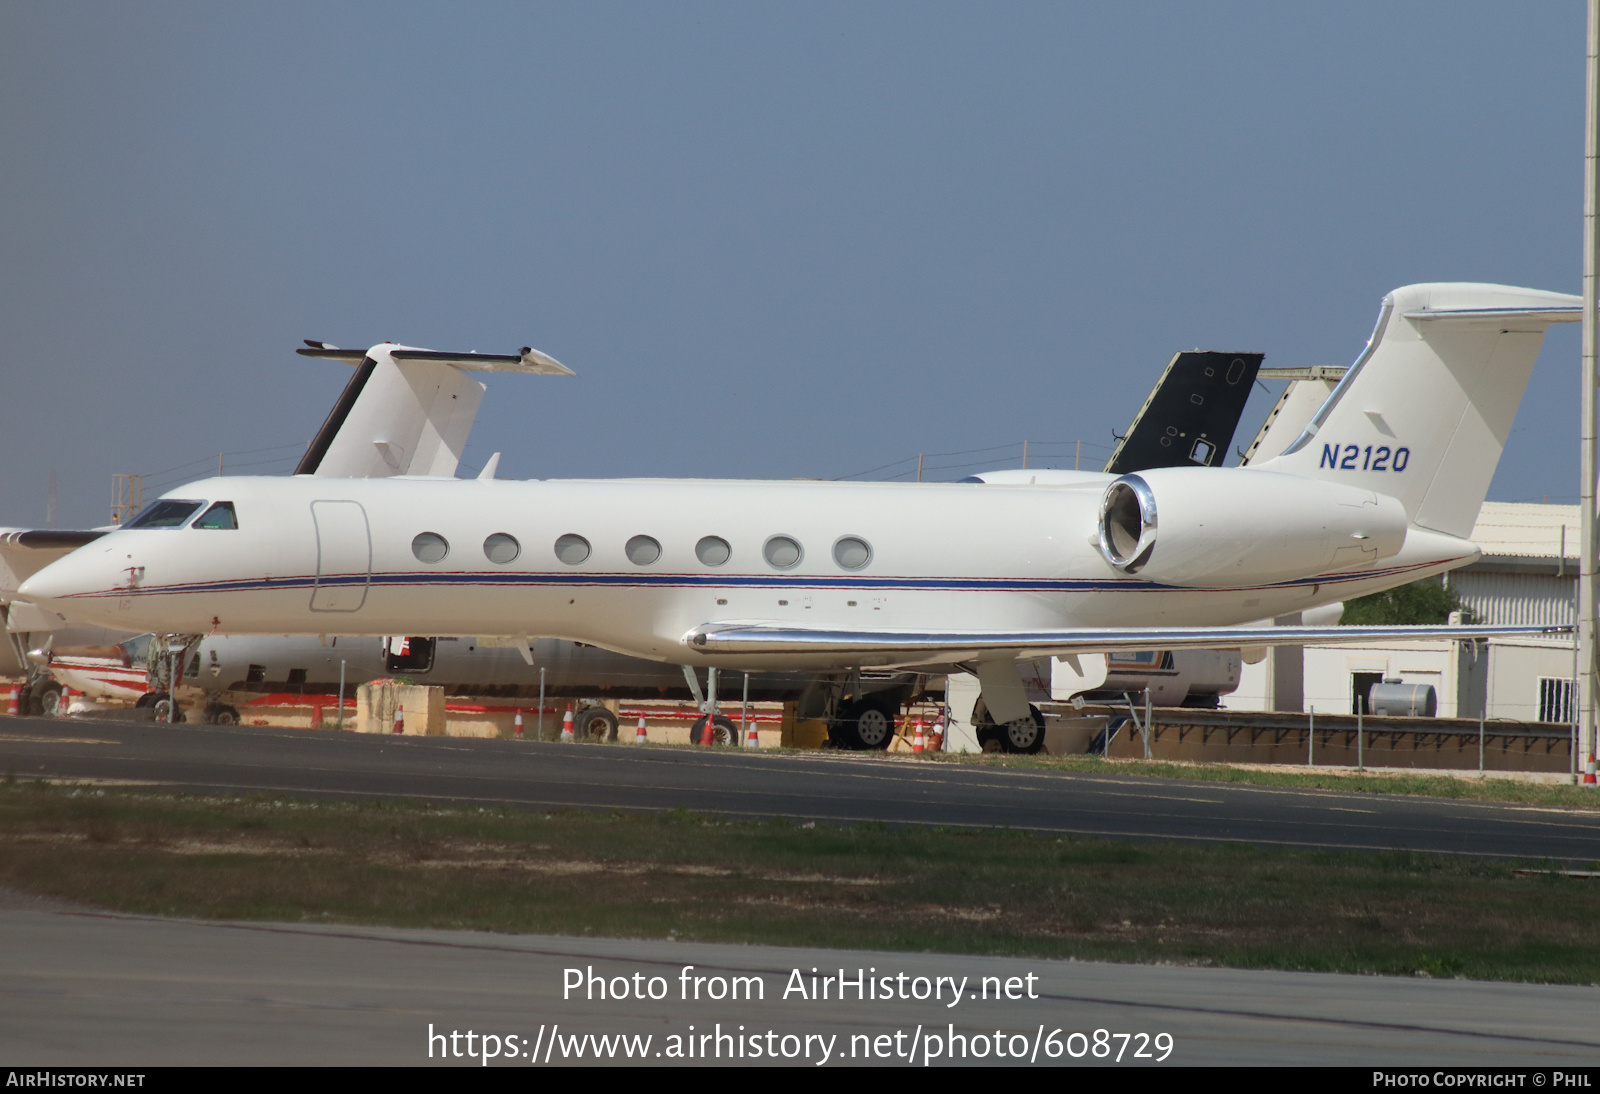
x: 1380, y: 489
x: 408, y: 412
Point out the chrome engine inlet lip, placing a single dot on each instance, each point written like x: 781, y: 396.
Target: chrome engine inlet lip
x: 1132, y: 561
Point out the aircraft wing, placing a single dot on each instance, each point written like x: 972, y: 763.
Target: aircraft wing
x: 889, y: 647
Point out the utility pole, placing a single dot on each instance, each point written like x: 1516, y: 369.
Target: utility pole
x: 1589, y: 468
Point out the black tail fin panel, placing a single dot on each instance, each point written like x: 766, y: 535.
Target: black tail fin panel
x: 1191, y: 414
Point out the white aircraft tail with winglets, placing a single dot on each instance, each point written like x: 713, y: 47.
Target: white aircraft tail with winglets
x: 1380, y: 490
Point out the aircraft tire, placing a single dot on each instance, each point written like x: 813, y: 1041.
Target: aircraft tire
x: 47, y: 701
x: 864, y: 726
x: 725, y: 733
x: 597, y: 724
x: 222, y: 716
x: 160, y: 705
x: 1024, y: 737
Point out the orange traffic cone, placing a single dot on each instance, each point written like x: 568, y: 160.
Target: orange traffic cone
x: 14, y: 704
x: 399, y: 718
x: 919, y: 742
x: 516, y: 726
x: 937, y: 744
x: 750, y: 738
x: 1588, y: 772
x: 566, y: 725
x: 639, y: 735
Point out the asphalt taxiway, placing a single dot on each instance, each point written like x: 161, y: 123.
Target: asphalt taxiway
x: 86, y: 988
x: 834, y: 787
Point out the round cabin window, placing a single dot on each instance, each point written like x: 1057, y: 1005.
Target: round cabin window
x: 713, y: 551
x: 783, y: 552
x: 852, y: 552
x: 501, y: 548
x: 430, y: 547
x: 572, y: 549
x: 642, y: 550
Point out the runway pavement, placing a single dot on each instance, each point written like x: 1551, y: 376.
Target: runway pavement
x: 825, y: 787
x: 95, y: 989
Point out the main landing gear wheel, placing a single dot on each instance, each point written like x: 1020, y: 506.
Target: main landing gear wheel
x: 222, y: 716
x: 48, y: 701
x: 1024, y: 736
x: 596, y: 724
x: 162, y: 705
x: 864, y: 726
x: 725, y: 732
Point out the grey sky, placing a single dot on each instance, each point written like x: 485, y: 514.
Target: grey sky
x: 773, y: 240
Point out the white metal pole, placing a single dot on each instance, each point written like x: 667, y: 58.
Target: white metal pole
x: 1573, y: 737
x: 744, y: 711
x: 1361, y: 734
x: 541, y: 702
x: 1311, y: 738
x: 341, y: 695
x: 1588, y: 469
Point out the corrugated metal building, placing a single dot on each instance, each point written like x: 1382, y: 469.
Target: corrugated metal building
x: 1529, y: 570
x: 1527, y: 575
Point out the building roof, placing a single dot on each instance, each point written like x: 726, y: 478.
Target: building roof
x: 1514, y: 529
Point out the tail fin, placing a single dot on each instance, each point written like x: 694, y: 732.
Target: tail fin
x: 406, y: 411
x: 1424, y: 413
x: 1190, y: 415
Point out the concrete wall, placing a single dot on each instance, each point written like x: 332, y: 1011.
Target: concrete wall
x: 421, y: 709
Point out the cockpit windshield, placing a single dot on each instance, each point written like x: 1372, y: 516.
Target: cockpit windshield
x: 166, y: 513
x: 220, y: 515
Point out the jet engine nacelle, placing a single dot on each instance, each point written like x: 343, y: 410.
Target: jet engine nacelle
x: 1226, y: 527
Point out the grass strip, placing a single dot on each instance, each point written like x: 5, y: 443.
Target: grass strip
x: 1487, y: 788
x: 864, y: 886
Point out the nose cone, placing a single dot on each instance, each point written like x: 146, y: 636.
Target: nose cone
x: 76, y: 586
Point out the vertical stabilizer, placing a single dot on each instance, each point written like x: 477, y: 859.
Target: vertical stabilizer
x: 396, y: 418
x: 1190, y: 415
x: 1424, y: 413
x: 407, y: 411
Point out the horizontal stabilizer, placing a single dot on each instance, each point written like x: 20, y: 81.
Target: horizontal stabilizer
x: 912, y: 647
x: 528, y: 360
x: 1540, y: 316
x: 332, y: 353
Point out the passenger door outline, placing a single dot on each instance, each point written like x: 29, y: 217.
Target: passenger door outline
x: 344, y: 556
